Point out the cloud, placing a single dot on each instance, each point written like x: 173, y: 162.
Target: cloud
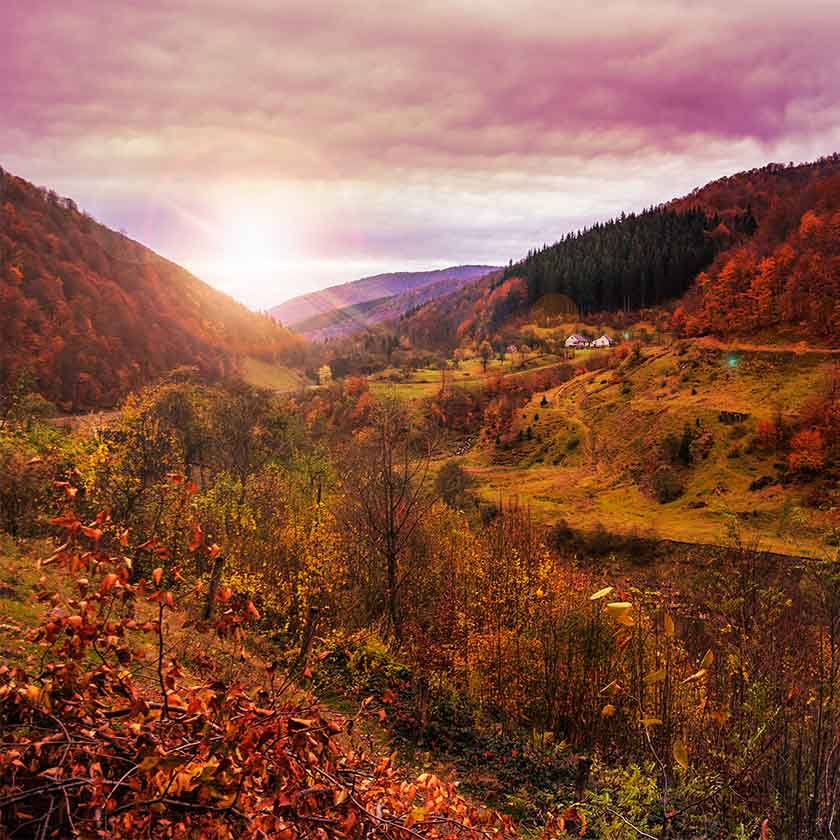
x: 400, y: 129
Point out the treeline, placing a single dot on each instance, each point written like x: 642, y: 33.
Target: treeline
x: 627, y: 263
x: 88, y: 314
x: 761, y: 189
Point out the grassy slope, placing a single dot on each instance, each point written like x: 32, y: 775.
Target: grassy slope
x: 592, y: 441
x: 592, y: 444
x: 267, y: 375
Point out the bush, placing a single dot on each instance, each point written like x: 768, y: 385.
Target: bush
x: 453, y: 483
x: 560, y: 536
x: 667, y: 484
x: 761, y: 483
x: 28, y: 466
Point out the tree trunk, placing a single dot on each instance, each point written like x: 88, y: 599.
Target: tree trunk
x: 308, y: 637
x: 393, y: 604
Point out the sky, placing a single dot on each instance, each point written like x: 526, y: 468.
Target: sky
x: 274, y: 146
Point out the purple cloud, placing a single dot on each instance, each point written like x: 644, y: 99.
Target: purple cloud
x: 448, y: 132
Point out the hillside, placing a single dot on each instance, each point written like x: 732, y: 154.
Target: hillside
x: 89, y: 314
x: 784, y: 282
x: 360, y: 316
x: 298, y: 310
x: 690, y: 441
x: 709, y: 247
x: 205, y: 634
x: 688, y: 444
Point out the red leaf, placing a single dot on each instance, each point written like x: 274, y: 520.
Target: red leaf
x: 197, y: 537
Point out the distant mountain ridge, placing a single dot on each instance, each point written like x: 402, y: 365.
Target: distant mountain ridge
x: 359, y: 316
x: 88, y: 315
x: 379, y: 287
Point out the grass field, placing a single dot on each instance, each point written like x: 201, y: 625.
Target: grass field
x: 266, y: 375
x: 470, y: 373
x: 590, y: 448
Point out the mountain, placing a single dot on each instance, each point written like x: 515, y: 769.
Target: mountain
x: 358, y: 316
x: 754, y: 250
x: 303, y: 310
x: 90, y: 314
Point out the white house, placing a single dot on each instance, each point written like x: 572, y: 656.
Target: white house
x: 576, y: 340
x: 603, y: 341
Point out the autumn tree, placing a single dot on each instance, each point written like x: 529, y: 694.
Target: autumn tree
x: 453, y: 484
x: 388, y: 495
x: 807, y: 451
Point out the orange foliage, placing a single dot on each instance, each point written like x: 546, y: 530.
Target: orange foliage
x: 807, y: 451
x: 91, y: 314
x: 176, y: 759
x: 787, y: 276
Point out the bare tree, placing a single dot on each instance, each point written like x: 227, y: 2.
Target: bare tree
x: 388, y: 494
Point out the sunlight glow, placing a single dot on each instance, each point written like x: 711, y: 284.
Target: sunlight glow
x: 253, y: 246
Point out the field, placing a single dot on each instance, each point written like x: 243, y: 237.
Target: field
x: 582, y: 451
x: 469, y: 373
x: 590, y: 445
x: 275, y: 377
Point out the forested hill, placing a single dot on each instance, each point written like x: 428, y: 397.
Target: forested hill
x: 642, y: 260
x: 648, y: 259
x: 767, y: 191
x: 89, y: 314
x: 785, y: 280
x: 628, y: 263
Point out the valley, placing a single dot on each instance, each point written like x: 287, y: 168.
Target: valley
x: 547, y: 550
x: 419, y: 421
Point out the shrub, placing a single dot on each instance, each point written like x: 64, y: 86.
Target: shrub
x: 24, y: 487
x: 807, y: 451
x: 453, y: 483
x: 761, y: 483
x: 671, y: 448
x: 560, y: 535
x: 667, y: 484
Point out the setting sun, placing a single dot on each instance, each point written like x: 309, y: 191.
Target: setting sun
x: 254, y: 244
